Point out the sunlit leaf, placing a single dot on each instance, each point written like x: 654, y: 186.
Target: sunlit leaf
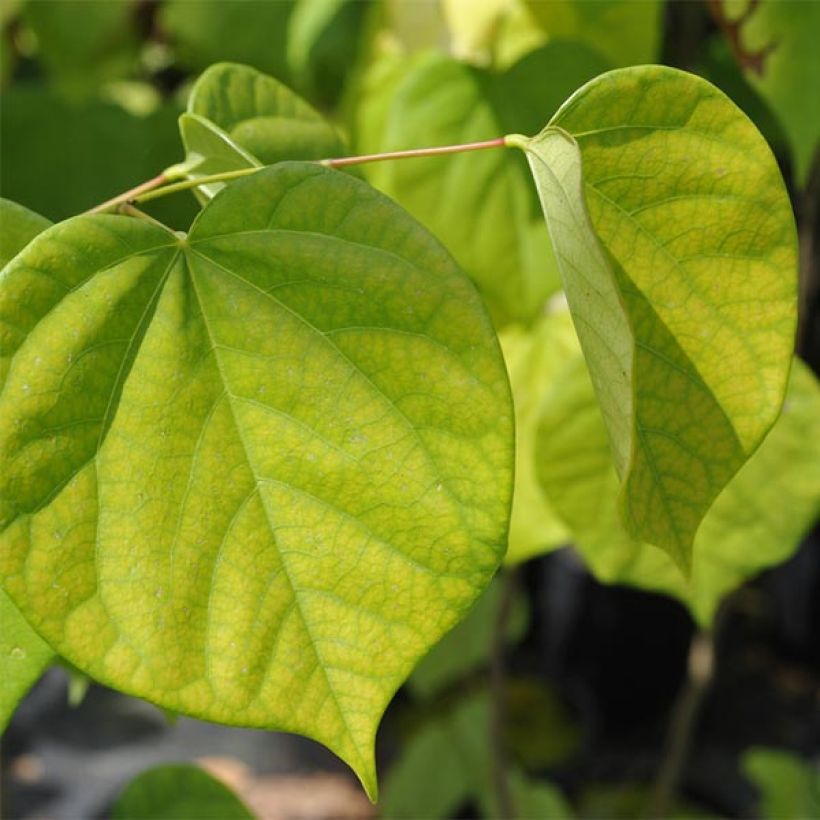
x: 261, y: 115
x: 534, y: 357
x: 23, y: 657
x: 756, y: 522
x: 252, y: 474
x: 178, y: 792
x: 625, y: 32
x: 685, y: 309
x: 20, y: 226
x: 480, y: 204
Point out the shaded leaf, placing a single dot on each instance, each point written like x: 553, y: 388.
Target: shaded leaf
x: 776, y: 42
x: 685, y: 309
x: 267, y: 465
x: 481, y: 203
x: 203, y: 32
x: 757, y: 521
x: 466, y: 647
x: 789, y: 786
x: 625, y: 32
x: 178, y: 792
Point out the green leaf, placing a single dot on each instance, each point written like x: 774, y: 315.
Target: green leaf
x: 254, y: 473
x: 20, y: 226
x: 756, y: 522
x: 178, y: 792
x: 534, y: 357
x: 209, y: 150
x: 23, y: 657
x: 466, y: 648
x: 677, y: 253
x: 778, y: 50
x: 63, y: 170
x: 262, y: 116
x: 203, y: 32
x: 625, y: 32
x: 86, y: 42
x: 480, y: 203
x: 789, y: 786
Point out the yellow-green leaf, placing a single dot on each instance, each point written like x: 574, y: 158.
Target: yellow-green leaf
x: 756, y: 522
x: 677, y: 248
x: 255, y: 473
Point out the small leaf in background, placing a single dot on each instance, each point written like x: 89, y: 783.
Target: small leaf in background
x: 775, y: 42
x: 263, y: 116
x: 686, y: 310
x: 534, y: 357
x: 625, y: 32
x: 268, y: 465
x: 20, y: 226
x: 85, y: 42
x: 323, y: 37
x: 203, y: 32
x: 756, y: 522
x: 626, y: 801
x: 788, y: 785
x: 24, y: 656
x: 481, y: 204
x: 178, y: 792
x: 466, y: 647
x: 445, y: 767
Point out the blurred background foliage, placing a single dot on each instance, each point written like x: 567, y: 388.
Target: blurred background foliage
x: 563, y: 682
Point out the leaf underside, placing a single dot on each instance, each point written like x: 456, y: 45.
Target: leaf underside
x: 676, y: 245
x: 254, y: 474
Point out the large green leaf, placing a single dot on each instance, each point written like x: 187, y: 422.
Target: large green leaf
x: 676, y: 245
x: 776, y: 42
x: 178, y: 792
x: 534, y: 358
x: 255, y: 473
x: 261, y: 115
x: 626, y: 32
x: 480, y: 204
x: 756, y: 522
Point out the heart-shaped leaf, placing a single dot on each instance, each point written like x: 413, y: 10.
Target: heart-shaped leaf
x: 261, y: 115
x: 677, y: 252
x: 255, y: 473
x: 756, y: 522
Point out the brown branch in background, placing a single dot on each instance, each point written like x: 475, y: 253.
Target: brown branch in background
x: 498, y: 697
x: 750, y: 60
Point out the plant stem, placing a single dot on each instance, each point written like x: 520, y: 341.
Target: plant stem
x: 341, y: 162
x: 151, y: 189
x: 700, y: 670
x: 128, y: 209
x: 498, y: 698
x: 129, y: 195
